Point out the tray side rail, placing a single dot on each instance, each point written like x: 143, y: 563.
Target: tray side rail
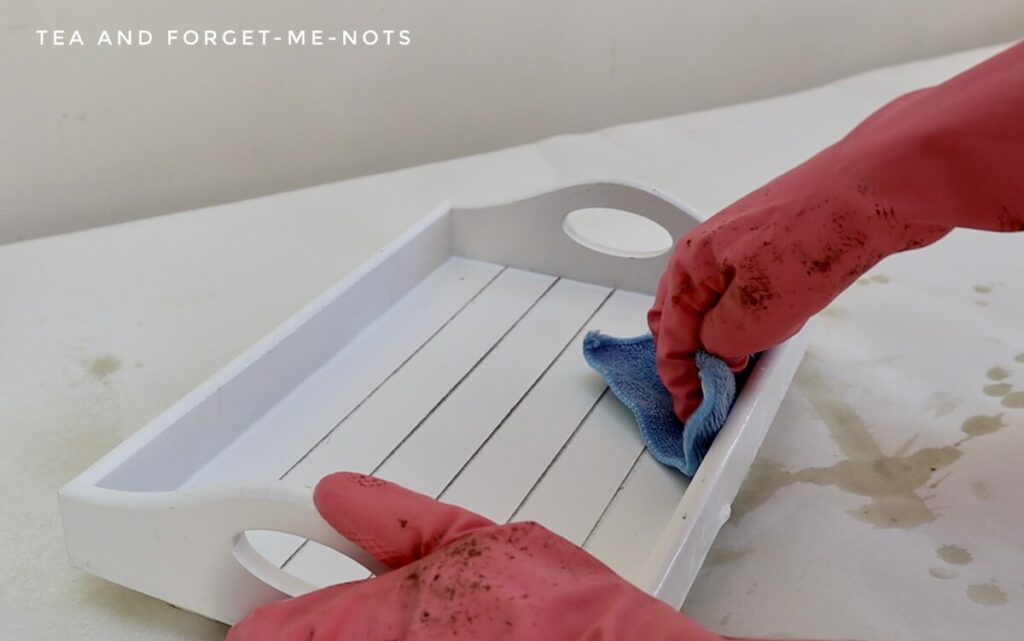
x: 190, y: 548
x: 162, y: 455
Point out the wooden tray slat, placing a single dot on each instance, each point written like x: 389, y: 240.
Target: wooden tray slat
x: 500, y: 476
x: 637, y: 516
x: 551, y: 394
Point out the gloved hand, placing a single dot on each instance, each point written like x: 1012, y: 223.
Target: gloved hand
x: 750, y: 276
x: 457, y: 575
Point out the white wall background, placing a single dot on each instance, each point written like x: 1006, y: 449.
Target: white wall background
x: 92, y: 136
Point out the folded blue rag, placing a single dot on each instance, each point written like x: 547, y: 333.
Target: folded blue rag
x: 628, y: 365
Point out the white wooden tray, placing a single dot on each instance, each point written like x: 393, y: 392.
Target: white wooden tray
x: 450, y: 363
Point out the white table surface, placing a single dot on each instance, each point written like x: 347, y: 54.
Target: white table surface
x: 839, y: 533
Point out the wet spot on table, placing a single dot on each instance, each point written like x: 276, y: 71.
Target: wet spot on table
x: 942, y: 573
x: 103, y: 366
x: 763, y: 480
x: 981, y: 425
x: 986, y: 594
x: 834, y: 311
x: 720, y: 555
x: 982, y: 289
x: 954, y: 555
x: 891, y: 482
x: 997, y: 373
x: 881, y: 278
x: 941, y: 404
x: 1014, y: 400
x: 997, y: 389
x: 980, y: 490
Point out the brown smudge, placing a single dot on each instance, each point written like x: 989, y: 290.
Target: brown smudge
x: 881, y: 278
x: 986, y: 594
x: 364, y: 480
x: 980, y: 491
x: 1014, y: 400
x: 1019, y: 357
x: 982, y: 289
x: 954, y: 555
x: 844, y: 424
x: 104, y: 366
x: 981, y: 425
x: 757, y: 288
x: 1010, y: 221
x: 763, y: 480
x: 720, y: 555
x: 941, y: 403
x: 890, y: 482
x: 997, y: 389
x: 834, y: 311
x: 997, y: 373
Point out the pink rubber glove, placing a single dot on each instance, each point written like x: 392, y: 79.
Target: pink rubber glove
x: 457, y: 575
x: 750, y: 277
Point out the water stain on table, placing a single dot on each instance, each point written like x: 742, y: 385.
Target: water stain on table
x: 834, y: 311
x: 941, y: 403
x: 954, y: 555
x: 997, y: 373
x: 103, y: 366
x: 877, y: 278
x: 943, y: 573
x: 986, y: 594
x: 982, y: 289
x: 891, y: 482
x: 997, y: 389
x: 1014, y: 400
x: 720, y: 555
x: 1019, y: 357
x: 980, y: 490
x: 980, y: 425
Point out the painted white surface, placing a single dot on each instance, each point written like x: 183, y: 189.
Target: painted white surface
x: 140, y: 516
x: 103, y: 329
x: 93, y: 136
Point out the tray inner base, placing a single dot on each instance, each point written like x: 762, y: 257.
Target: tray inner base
x: 473, y: 389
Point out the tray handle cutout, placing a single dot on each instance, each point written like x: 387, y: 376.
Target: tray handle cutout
x: 617, y: 232
x: 291, y: 512
x: 555, y: 233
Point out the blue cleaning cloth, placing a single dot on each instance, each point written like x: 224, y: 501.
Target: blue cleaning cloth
x: 628, y: 365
